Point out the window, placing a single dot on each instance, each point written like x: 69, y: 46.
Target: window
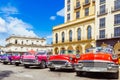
x: 102, y: 34
x: 86, y: 1
x: 56, y: 38
x: 16, y: 42
x: 102, y: 9
x: 117, y: 4
x: 86, y: 11
x: 68, y: 7
x: 117, y: 31
x: 77, y: 4
x: 89, y: 32
x: 63, y: 36
x: 77, y: 14
x: 117, y: 19
x: 70, y: 35
x: 79, y: 34
x: 102, y: 1
x: 68, y: 17
x: 102, y: 23
x: 22, y: 42
x: 68, y: 1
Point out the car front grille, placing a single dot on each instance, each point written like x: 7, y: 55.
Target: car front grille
x: 29, y: 60
x: 58, y: 62
x: 94, y: 64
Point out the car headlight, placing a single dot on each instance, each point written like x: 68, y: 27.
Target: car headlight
x: 77, y: 55
x: 71, y: 58
x: 109, y: 65
x: 114, y: 57
x: 80, y: 65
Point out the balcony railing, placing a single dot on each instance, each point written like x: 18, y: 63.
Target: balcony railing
x: 78, y: 6
x: 114, y: 9
x: 86, y: 3
x: 115, y: 35
x: 100, y: 37
x: 102, y: 13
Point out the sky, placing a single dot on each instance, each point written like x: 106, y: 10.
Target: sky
x: 30, y: 18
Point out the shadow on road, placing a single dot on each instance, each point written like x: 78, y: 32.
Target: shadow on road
x: 4, y: 74
x: 63, y: 70
x: 100, y: 76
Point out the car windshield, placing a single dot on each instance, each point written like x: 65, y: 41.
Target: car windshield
x: 27, y: 53
x: 41, y: 53
x: 100, y: 49
x: 15, y: 54
x: 68, y: 52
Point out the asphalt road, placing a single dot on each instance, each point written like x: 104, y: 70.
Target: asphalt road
x: 11, y: 72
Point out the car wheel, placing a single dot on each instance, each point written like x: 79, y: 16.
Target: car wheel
x: 52, y: 69
x: 79, y: 73
x: 5, y: 63
x: 116, y: 75
x: 26, y: 66
x: 16, y: 64
x: 43, y: 64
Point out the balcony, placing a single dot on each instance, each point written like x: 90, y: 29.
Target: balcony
x: 102, y: 13
x: 86, y: 3
x: 101, y: 37
x: 115, y: 35
x: 78, y: 6
x: 115, y: 9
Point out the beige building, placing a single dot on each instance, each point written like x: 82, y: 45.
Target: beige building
x: 24, y: 44
x: 108, y: 23
x: 77, y: 33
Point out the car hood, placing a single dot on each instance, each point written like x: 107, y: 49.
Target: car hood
x: 29, y: 57
x: 96, y: 56
x: 61, y: 57
x: 15, y: 57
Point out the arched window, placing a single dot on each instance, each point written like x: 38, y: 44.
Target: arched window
x: 16, y: 42
x: 63, y: 36
x: 79, y: 34
x: 89, y: 32
x: 56, y: 38
x: 70, y: 35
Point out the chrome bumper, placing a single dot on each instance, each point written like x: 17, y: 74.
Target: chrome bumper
x: 60, y: 66
x: 16, y: 61
x: 31, y: 63
x: 112, y: 69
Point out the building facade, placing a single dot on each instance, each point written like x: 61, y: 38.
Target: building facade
x: 23, y: 44
x: 108, y: 23
x: 77, y: 33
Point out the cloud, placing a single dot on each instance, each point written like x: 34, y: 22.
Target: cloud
x: 9, y: 10
x: 49, y: 37
x: 52, y: 17
x: 11, y: 25
x: 61, y: 12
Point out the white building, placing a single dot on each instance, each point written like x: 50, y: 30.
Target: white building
x: 108, y: 23
x: 23, y: 44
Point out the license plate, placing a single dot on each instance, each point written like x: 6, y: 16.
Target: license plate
x: 57, y: 66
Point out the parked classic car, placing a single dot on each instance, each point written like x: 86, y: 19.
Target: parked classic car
x: 98, y: 59
x: 7, y: 58
x: 37, y: 59
x: 2, y: 57
x: 64, y: 60
x: 16, y: 59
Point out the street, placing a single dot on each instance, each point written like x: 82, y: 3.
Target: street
x: 11, y: 72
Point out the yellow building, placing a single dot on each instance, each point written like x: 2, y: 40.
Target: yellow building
x: 77, y: 33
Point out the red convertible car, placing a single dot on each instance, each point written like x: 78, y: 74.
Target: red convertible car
x: 98, y: 59
x: 64, y: 60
